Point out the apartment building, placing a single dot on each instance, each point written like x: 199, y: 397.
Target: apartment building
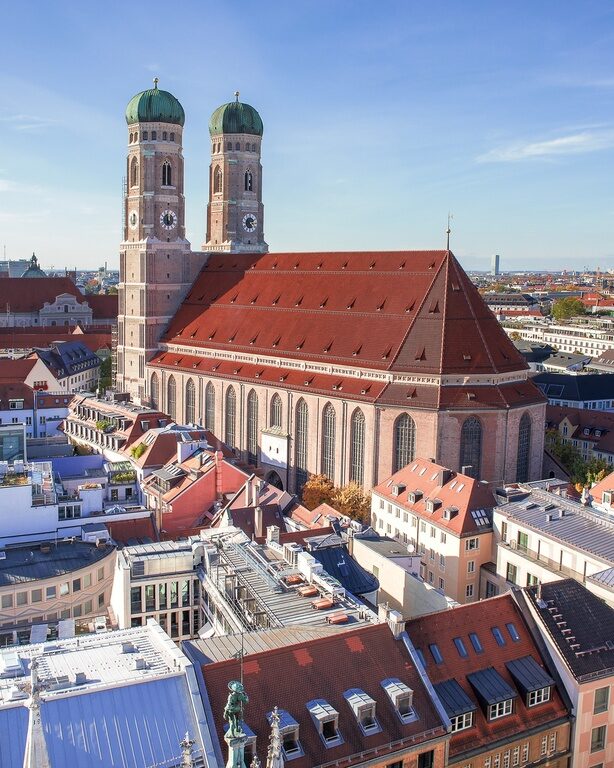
x: 578, y: 630
x: 591, y: 432
x: 41, y: 413
x: 591, y: 391
x: 587, y: 336
x: 445, y: 517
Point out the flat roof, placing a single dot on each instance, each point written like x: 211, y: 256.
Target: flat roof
x: 24, y: 564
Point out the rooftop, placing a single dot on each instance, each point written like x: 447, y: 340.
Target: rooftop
x: 580, y: 624
x: 581, y: 387
x: 47, y: 561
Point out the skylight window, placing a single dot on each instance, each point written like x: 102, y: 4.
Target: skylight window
x: 460, y: 647
x: 498, y: 635
x: 511, y: 628
x: 475, y: 642
x: 436, y: 653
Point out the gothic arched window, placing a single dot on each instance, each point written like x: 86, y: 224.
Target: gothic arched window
x: 252, y: 427
x: 229, y: 146
x: 172, y: 136
x: 357, y: 447
x: 134, y: 172
x: 171, y: 398
x: 238, y: 146
x: 276, y: 411
x: 248, y: 181
x: 166, y: 174
x: 210, y: 407
x: 154, y: 388
x: 328, y: 441
x: 301, y: 441
x: 471, y: 447
x: 190, y: 402
x: 231, y: 417
x: 217, y: 180
x: 253, y: 147
x: 164, y: 136
x: 524, y: 449
x: 404, y: 441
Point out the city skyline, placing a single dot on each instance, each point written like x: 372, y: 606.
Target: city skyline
x: 375, y: 125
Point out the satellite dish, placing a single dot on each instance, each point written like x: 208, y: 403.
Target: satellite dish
x: 411, y: 549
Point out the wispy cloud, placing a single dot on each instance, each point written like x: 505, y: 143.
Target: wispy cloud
x: 572, y: 144
x: 27, y: 123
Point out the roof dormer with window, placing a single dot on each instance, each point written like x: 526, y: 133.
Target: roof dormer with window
x: 326, y: 720
x: 402, y: 699
x: 363, y: 707
x: 289, y: 732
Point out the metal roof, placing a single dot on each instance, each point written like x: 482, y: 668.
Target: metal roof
x: 568, y: 521
x: 528, y: 674
x: 490, y: 687
x: 605, y: 578
x: 455, y: 701
x: 29, y: 563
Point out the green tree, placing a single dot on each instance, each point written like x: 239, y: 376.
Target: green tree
x: 563, y: 309
x: 105, y: 374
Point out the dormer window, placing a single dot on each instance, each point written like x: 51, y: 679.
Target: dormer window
x: 414, y: 496
x: 326, y: 720
x: 402, y: 698
x: 289, y: 732
x: 532, y: 680
x: 432, y: 505
x: 538, y: 697
x: 500, y: 709
x: 363, y: 707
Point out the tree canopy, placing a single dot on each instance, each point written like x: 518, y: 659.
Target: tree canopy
x: 563, y: 309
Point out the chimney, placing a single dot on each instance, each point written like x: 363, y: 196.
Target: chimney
x: 272, y: 534
x: 382, y: 612
x: 466, y: 470
x: 443, y: 476
x: 396, y: 624
x: 258, y: 521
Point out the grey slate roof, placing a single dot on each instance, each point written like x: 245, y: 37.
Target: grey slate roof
x: 28, y: 563
x: 579, y: 527
x: 582, y: 387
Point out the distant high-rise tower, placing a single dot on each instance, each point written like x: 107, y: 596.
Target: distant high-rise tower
x: 494, y: 264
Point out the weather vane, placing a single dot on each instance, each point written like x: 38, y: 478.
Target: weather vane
x: 448, y: 230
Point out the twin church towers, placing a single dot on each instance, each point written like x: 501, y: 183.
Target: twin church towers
x: 157, y: 264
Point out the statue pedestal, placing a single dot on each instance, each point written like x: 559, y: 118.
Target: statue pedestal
x: 236, y: 750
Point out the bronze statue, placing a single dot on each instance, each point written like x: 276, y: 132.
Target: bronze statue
x: 233, y: 711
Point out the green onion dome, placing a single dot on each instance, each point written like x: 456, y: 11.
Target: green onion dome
x: 154, y: 106
x: 236, y: 117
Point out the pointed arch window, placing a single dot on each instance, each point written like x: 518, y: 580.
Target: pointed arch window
x: 190, y: 402
x: 301, y: 437
x: 218, y: 179
x: 357, y: 447
x: 167, y: 179
x: 134, y: 172
x: 276, y: 412
x: 154, y: 389
x: 252, y: 428
x: 471, y: 447
x: 524, y: 449
x: 404, y: 441
x: 210, y: 407
x: 231, y: 417
x: 328, y: 441
x: 248, y: 181
x: 171, y: 398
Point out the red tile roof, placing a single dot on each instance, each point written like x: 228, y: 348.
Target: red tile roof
x: 441, y: 629
x: 461, y: 492
x: 16, y: 370
x: 403, y: 311
x: 326, y: 667
x: 607, y: 484
x: 15, y: 390
x: 44, y: 337
x: 141, y: 528
x: 31, y: 293
x: 104, y: 306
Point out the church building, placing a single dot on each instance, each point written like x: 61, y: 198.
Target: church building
x: 346, y: 363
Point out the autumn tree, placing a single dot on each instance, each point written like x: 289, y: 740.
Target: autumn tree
x: 351, y: 500
x: 318, y: 489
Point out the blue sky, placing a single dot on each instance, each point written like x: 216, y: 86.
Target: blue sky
x: 380, y: 117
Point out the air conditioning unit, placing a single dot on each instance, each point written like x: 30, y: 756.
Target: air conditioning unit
x: 513, y: 543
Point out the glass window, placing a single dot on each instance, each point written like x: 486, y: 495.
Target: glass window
x: 252, y: 428
x: 513, y: 632
x: 231, y: 405
x: 190, y: 402
x: 475, y: 642
x: 87, y: 580
x: 602, y: 700
x: 524, y: 449
x: 185, y: 593
x: 171, y: 398
x: 436, y: 653
x: 150, y: 597
x: 501, y: 709
x: 64, y: 588
x: 301, y: 442
x: 460, y: 647
x: 462, y: 722
x: 511, y: 573
x: 36, y: 595
x: 498, y: 635
x: 328, y: 440
x: 210, y: 407
x: 469, y: 590
x: 174, y: 594
x: 50, y: 593
x: 357, y: 447
x: 538, y: 697
x: 276, y: 411
x: 404, y: 441
x: 471, y: 447
x: 162, y: 596
x: 155, y: 390
x: 135, y: 600
x: 101, y: 573
x: 598, y: 738
x: 76, y: 585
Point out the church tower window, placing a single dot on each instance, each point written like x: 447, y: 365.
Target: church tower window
x: 166, y: 174
x: 404, y: 441
x: 190, y: 402
x: 237, y: 146
x: 524, y: 449
x: 357, y: 447
x: 155, y: 391
x: 301, y: 437
x: 134, y: 172
x: 328, y: 441
x: 171, y: 398
x: 217, y: 180
x: 231, y: 417
x: 248, y: 181
x: 276, y: 411
x: 252, y: 428
x: 210, y: 407
x: 471, y: 447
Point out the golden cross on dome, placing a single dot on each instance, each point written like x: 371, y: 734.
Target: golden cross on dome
x: 237, y: 96
x: 156, y: 83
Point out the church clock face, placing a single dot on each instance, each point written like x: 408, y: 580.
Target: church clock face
x: 133, y: 220
x: 250, y: 222
x: 168, y: 219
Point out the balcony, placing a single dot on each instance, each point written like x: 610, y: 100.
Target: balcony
x: 552, y: 565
